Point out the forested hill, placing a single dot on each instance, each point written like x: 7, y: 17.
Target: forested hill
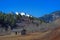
x: 14, y: 21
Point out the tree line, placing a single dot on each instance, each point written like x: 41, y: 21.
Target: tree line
x: 10, y: 19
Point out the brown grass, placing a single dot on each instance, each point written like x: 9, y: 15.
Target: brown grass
x: 31, y: 36
x: 49, y: 35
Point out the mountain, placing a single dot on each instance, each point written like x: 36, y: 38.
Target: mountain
x: 51, y: 17
x: 18, y: 21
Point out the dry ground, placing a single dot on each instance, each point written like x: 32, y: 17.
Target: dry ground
x: 49, y: 35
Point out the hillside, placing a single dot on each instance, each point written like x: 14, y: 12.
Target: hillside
x: 51, y: 17
x: 36, y: 29
x: 13, y: 22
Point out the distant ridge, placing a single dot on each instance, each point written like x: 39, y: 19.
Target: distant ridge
x: 51, y: 17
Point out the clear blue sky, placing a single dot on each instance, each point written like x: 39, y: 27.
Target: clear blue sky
x: 34, y: 7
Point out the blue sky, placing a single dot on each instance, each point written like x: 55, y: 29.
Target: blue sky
x: 33, y: 7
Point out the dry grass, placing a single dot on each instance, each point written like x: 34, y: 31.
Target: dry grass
x: 31, y: 36
x: 49, y: 35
